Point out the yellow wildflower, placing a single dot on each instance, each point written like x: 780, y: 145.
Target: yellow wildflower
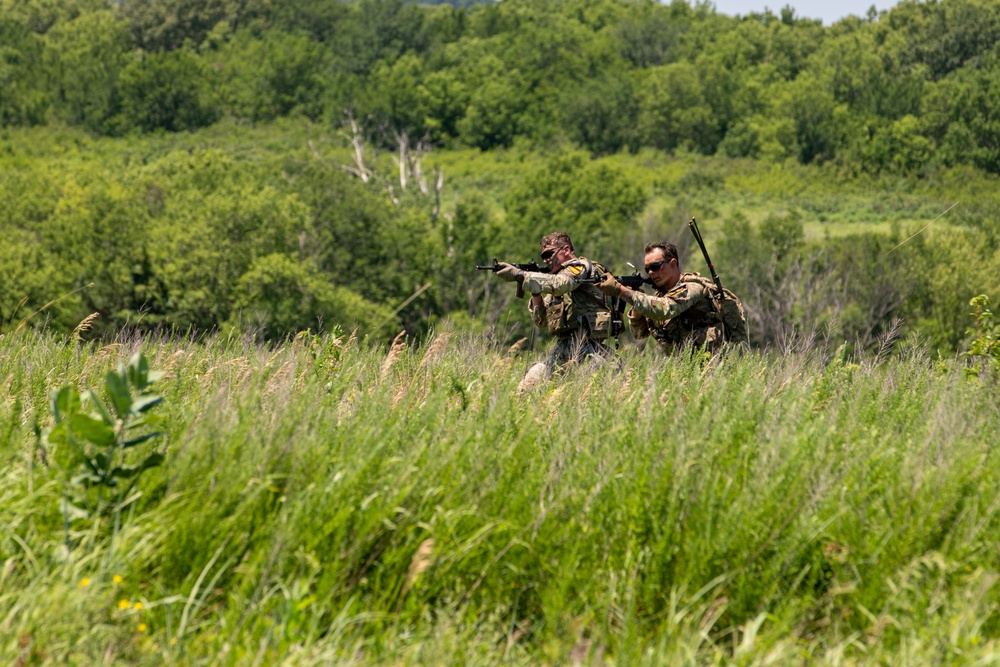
x: 123, y: 604
x: 84, y: 582
x: 142, y: 627
x: 117, y: 579
x: 137, y: 605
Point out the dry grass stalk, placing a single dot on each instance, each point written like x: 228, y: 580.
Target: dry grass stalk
x: 422, y: 559
x: 170, y: 363
x: 395, y: 350
x: 435, y: 350
x: 520, y: 630
x: 626, y: 386
x: 85, y: 325
x: 398, y: 395
x: 282, y: 379
x: 517, y: 347
x: 108, y: 350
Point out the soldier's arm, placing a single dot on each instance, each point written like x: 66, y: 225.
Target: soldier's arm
x: 665, y: 307
x: 545, y: 283
x: 638, y: 324
x: 536, y: 306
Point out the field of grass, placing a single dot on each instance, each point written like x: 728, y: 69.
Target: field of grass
x: 323, y: 502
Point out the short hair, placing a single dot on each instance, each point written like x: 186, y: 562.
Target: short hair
x: 669, y: 250
x: 555, y: 239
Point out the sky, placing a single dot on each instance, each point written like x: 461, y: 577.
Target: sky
x: 829, y: 11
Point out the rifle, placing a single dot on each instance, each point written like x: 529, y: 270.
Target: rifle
x: 632, y: 281
x: 530, y: 266
x: 693, y: 224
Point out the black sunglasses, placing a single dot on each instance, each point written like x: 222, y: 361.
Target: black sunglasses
x: 655, y: 266
x: 547, y: 254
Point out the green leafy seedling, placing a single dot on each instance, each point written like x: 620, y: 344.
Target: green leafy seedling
x: 100, y: 442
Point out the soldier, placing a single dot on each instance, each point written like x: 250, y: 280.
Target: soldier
x: 576, y: 314
x: 686, y: 308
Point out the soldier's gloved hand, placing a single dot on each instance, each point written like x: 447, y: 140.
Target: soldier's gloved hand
x: 509, y: 273
x: 609, y: 285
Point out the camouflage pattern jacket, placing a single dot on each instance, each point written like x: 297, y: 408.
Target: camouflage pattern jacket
x: 687, y: 313
x: 568, y: 306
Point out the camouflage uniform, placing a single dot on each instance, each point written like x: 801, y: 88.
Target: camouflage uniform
x: 685, y: 314
x: 576, y: 314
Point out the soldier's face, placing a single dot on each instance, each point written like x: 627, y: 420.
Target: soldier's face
x: 663, y: 273
x: 554, y: 256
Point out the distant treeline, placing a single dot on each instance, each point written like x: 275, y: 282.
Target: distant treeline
x: 903, y: 91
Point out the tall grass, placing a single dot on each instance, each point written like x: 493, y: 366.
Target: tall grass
x: 321, y: 506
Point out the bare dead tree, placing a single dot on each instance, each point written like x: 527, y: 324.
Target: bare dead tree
x: 357, y: 141
x: 403, y: 161
x: 438, y: 185
x: 416, y: 164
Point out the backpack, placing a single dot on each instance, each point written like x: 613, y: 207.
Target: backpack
x: 730, y: 310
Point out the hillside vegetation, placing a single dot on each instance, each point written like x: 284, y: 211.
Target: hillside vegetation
x: 258, y: 230
x: 269, y: 168
x: 325, y: 502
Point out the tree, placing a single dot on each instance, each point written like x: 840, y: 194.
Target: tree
x: 165, y: 25
x: 899, y: 147
x: 379, y: 30
x: 673, y: 111
x: 598, y: 115
x: 168, y: 91
x: 494, y: 115
x: 962, y: 116
x: 945, y: 36
x: 86, y: 56
x: 591, y: 202
x: 265, y: 77
x: 23, y: 98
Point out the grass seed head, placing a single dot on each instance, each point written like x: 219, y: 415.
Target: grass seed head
x: 395, y: 350
x: 516, y: 348
x: 435, y: 350
x: 85, y: 325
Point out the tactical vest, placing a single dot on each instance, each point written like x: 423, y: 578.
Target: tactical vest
x: 583, y: 309
x: 712, y: 321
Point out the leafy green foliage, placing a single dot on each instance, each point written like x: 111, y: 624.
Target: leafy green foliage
x: 986, y: 333
x: 99, y: 443
x: 166, y: 91
x: 165, y: 25
x: 262, y: 79
x: 278, y: 295
x: 21, y: 101
x: 85, y: 60
x: 588, y: 201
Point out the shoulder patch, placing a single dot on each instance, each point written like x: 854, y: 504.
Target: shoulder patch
x: 575, y: 269
x: 678, y: 290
